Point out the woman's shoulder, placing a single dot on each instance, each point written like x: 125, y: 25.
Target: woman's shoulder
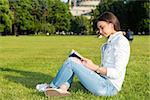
x: 121, y: 39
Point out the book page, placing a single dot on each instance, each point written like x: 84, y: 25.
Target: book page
x: 75, y: 54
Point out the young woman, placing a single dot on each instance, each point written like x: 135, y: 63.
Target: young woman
x: 103, y: 80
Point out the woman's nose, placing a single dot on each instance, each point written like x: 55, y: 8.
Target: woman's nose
x: 100, y: 31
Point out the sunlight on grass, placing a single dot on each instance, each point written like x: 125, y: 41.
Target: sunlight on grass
x: 28, y: 60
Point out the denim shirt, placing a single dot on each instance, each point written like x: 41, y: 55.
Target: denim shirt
x: 115, y: 57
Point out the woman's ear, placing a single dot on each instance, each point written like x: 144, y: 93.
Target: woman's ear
x: 111, y: 25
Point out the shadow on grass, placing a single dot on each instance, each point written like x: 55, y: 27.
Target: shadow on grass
x: 31, y: 79
x: 77, y: 86
x: 26, y: 78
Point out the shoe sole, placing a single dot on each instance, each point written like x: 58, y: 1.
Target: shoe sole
x: 51, y: 92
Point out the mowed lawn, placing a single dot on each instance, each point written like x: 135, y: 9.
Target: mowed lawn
x: 28, y: 60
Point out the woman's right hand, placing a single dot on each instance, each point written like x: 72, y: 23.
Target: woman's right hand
x: 89, y: 64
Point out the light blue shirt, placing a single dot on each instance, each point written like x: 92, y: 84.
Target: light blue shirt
x: 115, y: 57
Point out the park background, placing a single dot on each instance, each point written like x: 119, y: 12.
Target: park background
x: 36, y: 17
x: 28, y: 55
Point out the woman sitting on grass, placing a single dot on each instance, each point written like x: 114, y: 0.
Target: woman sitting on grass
x: 103, y: 80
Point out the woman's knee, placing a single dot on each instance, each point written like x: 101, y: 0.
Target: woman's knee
x: 75, y: 60
x: 69, y: 62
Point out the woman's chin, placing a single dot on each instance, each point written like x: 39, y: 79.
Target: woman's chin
x: 104, y: 35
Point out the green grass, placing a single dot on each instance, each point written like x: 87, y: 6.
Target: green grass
x: 28, y: 60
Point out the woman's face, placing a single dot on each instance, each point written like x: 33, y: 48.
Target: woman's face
x: 105, y: 28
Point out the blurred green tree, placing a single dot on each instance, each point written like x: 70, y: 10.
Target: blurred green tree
x: 33, y: 16
x: 24, y: 21
x: 60, y: 16
x: 80, y: 25
x: 132, y: 15
x: 6, y: 17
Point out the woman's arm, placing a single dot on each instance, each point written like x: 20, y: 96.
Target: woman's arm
x: 89, y: 64
x: 121, y: 57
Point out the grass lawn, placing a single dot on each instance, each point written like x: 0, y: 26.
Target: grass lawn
x: 28, y: 60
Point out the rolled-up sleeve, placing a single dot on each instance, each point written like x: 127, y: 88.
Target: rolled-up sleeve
x: 121, y: 57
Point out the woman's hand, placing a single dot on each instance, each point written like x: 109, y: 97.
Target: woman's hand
x: 89, y: 64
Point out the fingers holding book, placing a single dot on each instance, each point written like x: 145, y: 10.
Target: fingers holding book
x: 82, y: 60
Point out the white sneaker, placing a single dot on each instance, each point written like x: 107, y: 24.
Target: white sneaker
x: 42, y: 87
x: 56, y: 92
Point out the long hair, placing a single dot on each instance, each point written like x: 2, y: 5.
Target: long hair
x: 110, y: 18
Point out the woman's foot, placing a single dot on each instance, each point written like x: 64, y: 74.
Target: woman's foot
x: 42, y: 87
x: 56, y: 92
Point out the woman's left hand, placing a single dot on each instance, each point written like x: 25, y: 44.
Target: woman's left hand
x: 89, y: 64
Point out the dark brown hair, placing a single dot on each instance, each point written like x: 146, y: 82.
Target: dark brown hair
x: 110, y: 18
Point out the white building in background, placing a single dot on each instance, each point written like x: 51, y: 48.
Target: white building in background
x: 82, y: 7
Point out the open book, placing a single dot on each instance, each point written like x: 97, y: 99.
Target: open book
x: 75, y: 54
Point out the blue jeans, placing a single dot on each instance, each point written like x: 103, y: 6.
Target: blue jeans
x: 92, y: 81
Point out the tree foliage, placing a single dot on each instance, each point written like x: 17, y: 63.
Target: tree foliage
x: 60, y: 16
x: 40, y: 16
x: 34, y: 16
x: 80, y: 25
x: 133, y: 15
x: 6, y: 16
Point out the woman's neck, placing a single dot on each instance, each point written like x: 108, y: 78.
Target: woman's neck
x: 113, y: 32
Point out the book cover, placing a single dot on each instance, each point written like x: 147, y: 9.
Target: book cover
x: 75, y: 54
